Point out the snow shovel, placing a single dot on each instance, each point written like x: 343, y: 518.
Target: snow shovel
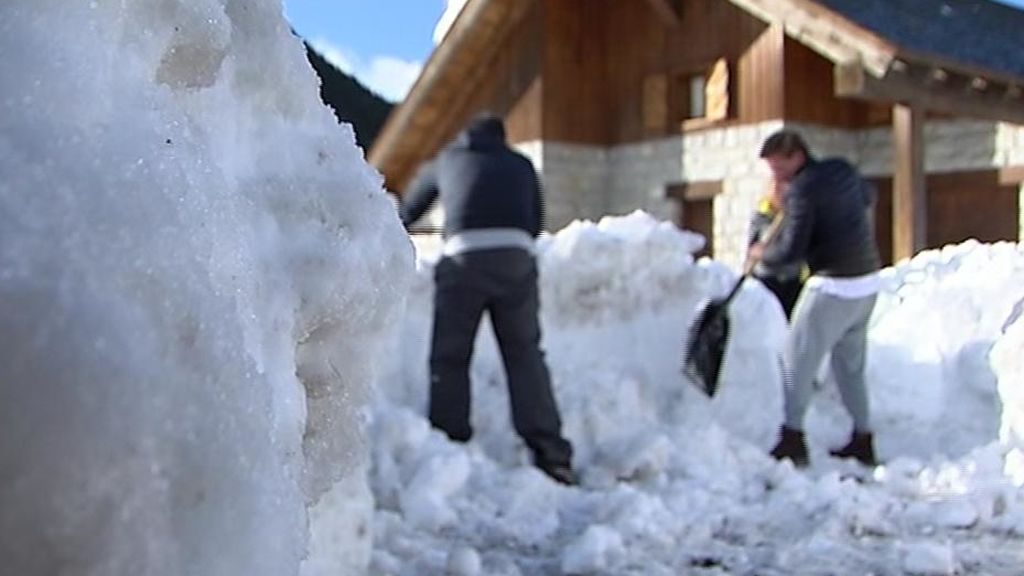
x: 709, y: 336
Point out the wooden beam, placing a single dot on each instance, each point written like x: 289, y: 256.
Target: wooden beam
x: 666, y: 11
x: 697, y: 190
x: 1010, y: 175
x: 909, y: 200
x: 825, y: 32
x: 937, y: 76
x: 475, y: 37
x: 928, y: 89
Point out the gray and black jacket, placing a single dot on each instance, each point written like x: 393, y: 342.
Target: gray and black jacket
x: 828, y: 222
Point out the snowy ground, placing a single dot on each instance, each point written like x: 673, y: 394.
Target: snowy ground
x: 675, y: 484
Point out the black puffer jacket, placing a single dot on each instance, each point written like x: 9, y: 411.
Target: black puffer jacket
x: 482, y: 183
x: 828, y: 222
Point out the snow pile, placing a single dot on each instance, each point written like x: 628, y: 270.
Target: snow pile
x: 932, y: 386
x: 618, y: 267
x: 1008, y: 366
x: 196, y: 268
x: 674, y: 483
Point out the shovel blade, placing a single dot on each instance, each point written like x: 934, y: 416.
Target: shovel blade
x: 706, y: 346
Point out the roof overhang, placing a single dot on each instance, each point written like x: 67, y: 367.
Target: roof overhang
x: 437, y: 103
x: 869, y: 67
x: 931, y: 86
x: 825, y: 32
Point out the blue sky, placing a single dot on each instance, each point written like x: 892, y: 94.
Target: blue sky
x: 384, y: 43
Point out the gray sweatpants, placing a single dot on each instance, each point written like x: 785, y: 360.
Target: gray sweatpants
x: 503, y: 283
x: 824, y: 323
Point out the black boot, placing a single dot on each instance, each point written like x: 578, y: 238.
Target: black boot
x: 791, y: 445
x: 861, y: 447
x: 561, y: 473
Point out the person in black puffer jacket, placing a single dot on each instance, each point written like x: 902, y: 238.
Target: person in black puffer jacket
x: 829, y: 226
x: 493, y: 211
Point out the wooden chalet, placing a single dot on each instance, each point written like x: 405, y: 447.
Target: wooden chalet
x: 661, y: 105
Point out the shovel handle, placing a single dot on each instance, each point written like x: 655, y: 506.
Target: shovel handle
x: 770, y: 235
x: 748, y: 267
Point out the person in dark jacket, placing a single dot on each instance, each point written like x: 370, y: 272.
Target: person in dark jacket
x: 784, y: 281
x: 828, y: 226
x: 493, y: 210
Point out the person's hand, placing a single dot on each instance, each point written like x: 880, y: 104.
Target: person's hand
x: 776, y: 191
x: 754, y: 255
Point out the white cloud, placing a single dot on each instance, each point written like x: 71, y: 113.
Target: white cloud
x: 388, y: 76
x: 391, y: 77
x: 341, y: 58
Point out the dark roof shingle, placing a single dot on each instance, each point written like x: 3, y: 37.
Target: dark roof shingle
x: 979, y: 33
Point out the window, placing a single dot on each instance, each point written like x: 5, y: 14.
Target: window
x: 675, y: 101
x: 697, y: 85
x: 702, y: 94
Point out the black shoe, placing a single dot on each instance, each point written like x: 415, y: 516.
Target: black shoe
x: 462, y: 436
x: 791, y: 445
x: 861, y: 447
x: 561, y: 473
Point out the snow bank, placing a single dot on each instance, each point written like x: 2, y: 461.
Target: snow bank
x: 196, y: 267
x: 933, y: 389
x: 674, y: 483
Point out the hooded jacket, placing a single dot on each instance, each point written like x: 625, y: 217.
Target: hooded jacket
x: 482, y: 183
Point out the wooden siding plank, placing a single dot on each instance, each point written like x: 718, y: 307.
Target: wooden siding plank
x: 665, y: 11
x: 760, y: 84
x: 575, y: 71
x: 656, y: 104
x: 971, y: 204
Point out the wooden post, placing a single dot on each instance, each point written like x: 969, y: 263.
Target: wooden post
x: 909, y: 199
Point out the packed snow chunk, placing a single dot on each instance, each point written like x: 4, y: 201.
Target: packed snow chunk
x: 597, y: 549
x: 933, y: 387
x: 947, y: 513
x: 618, y: 299
x: 197, y: 269
x: 928, y: 559
x: 1008, y: 364
x: 616, y: 267
x: 425, y: 499
x: 464, y: 561
x: 1015, y: 466
x: 341, y: 525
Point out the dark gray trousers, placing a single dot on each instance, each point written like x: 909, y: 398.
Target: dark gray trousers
x: 502, y: 282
